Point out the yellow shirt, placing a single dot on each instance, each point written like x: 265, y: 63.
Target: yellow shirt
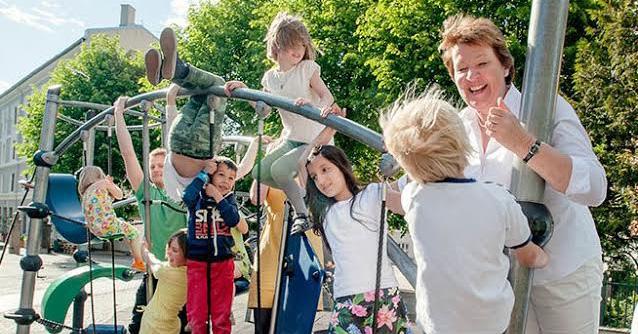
x: 160, y: 316
x: 269, y: 245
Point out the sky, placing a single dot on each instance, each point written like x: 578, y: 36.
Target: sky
x: 33, y: 31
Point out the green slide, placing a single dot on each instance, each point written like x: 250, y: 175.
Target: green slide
x: 60, y: 294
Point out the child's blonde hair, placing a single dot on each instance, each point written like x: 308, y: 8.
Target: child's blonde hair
x: 284, y: 32
x: 426, y: 136
x: 88, y: 176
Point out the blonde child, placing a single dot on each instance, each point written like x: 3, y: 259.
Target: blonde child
x: 98, y: 191
x: 296, y: 76
x: 458, y: 226
x: 161, y: 314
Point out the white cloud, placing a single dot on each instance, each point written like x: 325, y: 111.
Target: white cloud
x: 4, y: 85
x: 41, y: 19
x: 179, y: 12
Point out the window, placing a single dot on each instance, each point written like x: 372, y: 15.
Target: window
x: 15, y: 115
x: 13, y: 182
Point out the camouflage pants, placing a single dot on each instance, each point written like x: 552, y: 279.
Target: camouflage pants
x: 190, y: 132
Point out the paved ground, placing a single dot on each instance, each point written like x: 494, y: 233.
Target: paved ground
x: 58, y: 264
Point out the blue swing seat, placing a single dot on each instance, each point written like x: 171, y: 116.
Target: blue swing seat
x: 63, y: 200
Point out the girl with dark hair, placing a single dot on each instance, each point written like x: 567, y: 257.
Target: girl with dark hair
x: 161, y: 314
x: 348, y: 217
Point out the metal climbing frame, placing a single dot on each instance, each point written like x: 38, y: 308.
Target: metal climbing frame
x: 47, y: 156
x: 546, y: 35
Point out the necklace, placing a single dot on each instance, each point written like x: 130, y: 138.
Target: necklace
x: 281, y: 78
x: 480, y: 121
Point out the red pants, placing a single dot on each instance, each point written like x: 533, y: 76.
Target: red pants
x: 221, y: 295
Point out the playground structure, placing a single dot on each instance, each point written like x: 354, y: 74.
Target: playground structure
x: 546, y: 33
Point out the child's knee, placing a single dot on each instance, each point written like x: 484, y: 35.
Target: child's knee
x: 281, y: 172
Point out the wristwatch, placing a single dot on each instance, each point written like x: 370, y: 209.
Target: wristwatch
x: 532, y: 150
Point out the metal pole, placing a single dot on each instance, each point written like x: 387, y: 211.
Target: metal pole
x: 546, y: 35
x: 90, y: 141
x: 146, y: 143
x: 32, y: 262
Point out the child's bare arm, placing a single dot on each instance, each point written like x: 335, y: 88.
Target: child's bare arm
x: 112, y: 188
x: 132, y: 166
x: 171, y: 104
x: 322, y: 138
x: 151, y: 261
x: 531, y: 256
x: 248, y: 161
x: 263, y: 189
x: 230, y: 86
x: 242, y: 226
x: 393, y: 201
x: 325, y: 96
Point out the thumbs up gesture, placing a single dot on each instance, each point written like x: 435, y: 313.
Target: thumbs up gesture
x: 505, y: 128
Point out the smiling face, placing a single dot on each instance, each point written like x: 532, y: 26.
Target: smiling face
x: 157, y: 169
x: 224, y: 178
x: 291, y: 56
x: 479, y: 75
x: 174, y: 254
x: 328, y: 178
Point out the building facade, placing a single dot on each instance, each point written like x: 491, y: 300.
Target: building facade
x: 132, y: 37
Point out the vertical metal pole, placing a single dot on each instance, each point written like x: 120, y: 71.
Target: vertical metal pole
x: 146, y: 143
x: 546, y: 35
x: 32, y: 262
x: 90, y: 142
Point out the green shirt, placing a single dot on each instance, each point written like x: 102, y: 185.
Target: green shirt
x: 164, y: 220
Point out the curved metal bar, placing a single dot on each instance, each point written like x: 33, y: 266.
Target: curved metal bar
x: 74, y: 121
x: 243, y: 140
x: 345, y: 126
x: 100, y: 106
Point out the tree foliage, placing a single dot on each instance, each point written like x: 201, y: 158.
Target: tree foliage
x: 371, y: 50
x: 99, y: 73
x: 606, y: 94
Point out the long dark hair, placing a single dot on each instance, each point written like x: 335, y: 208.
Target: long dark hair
x: 318, y: 203
x: 181, y: 237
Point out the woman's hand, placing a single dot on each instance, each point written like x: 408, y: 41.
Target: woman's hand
x: 506, y: 129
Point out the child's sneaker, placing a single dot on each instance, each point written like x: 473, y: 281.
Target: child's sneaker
x: 168, y: 44
x: 138, y: 265
x: 300, y: 225
x: 153, y: 63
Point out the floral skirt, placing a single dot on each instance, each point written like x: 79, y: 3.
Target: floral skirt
x: 354, y: 314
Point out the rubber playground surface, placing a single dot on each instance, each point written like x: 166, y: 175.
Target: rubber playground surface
x: 58, y: 264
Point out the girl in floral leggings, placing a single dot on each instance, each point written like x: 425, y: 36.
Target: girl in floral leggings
x: 98, y: 191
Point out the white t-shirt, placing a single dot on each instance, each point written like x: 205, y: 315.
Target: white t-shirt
x: 295, y: 83
x: 459, y: 229
x: 574, y: 241
x: 174, y: 184
x: 354, y: 244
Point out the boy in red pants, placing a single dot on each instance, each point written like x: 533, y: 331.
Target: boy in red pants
x: 210, y: 194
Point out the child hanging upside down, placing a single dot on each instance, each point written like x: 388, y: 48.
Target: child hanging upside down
x: 189, y: 140
x: 98, y: 191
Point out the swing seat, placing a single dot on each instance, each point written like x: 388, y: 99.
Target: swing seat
x: 112, y: 237
x: 63, y: 200
x: 105, y: 329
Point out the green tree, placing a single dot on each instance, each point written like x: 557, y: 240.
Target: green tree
x: 99, y: 73
x: 606, y: 94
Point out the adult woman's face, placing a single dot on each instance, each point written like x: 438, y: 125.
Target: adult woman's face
x: 479, y: 75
